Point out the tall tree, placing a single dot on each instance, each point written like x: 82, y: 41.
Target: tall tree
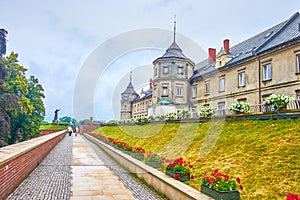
x: 6, y: 100
x: 26, y: 118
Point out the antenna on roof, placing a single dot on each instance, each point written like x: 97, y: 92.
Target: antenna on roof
x: 174, y: 27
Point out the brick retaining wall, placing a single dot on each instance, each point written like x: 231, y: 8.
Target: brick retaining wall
x: 17, y: 161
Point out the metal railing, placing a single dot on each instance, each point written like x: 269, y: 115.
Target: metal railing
x: 260, y: 108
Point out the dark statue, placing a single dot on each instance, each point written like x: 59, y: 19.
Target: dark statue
x: 56, y: 114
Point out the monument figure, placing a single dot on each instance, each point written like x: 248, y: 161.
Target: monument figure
x: 56, y: 115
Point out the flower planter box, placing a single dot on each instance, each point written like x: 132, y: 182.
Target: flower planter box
x: 138, y: 156
x: 181, y: 178
x: 154, y: 164
x: 127, y: 152
x: 218, y: 195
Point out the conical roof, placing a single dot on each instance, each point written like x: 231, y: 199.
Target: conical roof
x: 130, y: 89
x: 174, y: 51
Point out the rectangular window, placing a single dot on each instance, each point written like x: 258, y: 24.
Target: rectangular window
x: 221, y: 108
x: 242, y: 79
x: 179, y: 91
x: 180, y: 70
x: 222, y: 84
x: 207, y: 88
x: 165, y: 69
x: 267, y: 72
x: 194, y: 92
x: 165, y: 92
x: 154, y: 92
x: 298, y: 64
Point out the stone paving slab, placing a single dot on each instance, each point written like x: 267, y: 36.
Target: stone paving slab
x: 90, y: 178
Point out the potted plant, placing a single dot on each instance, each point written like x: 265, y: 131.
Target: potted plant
x: 206, y: 111
x: 221, y: 186
x: 239, y: 107
x: 278, y: 100
x: 179, y: 169
x: 153, y: 160
x: 138, y: 153
x: 184, y: 114
x: 171, y: 115
x: 127, y: 149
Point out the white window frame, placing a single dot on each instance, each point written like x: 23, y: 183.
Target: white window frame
x: 267, y: 72
x: 242, y: 79
x: 222, y: 84
x: 221, y: 108
x: 179, y: 91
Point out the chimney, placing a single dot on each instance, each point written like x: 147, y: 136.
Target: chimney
x: 211, y: 55
x: 226, y: 45
x: 150, y: 83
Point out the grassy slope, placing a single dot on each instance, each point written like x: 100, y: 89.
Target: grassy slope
x: 53, y: 127
x: 264, y: 154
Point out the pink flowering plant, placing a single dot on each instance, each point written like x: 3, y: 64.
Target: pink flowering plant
x: 221, y: 182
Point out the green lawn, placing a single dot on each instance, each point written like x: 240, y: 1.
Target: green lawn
x: 53, y: 126
x: 264, y: 154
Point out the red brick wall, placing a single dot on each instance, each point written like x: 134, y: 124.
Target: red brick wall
x: 86, y: 128
x: 16, y: 169
x: 46, y: 132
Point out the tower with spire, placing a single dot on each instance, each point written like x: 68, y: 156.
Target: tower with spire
x: 172, y: 72
x: 127, y: 97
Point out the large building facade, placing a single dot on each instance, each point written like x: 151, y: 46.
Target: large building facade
x: 266, y: 63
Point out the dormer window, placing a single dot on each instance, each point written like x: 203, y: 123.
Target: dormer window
x: 222, y: 58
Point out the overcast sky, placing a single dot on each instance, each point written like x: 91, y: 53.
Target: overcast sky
x: 55, y: 39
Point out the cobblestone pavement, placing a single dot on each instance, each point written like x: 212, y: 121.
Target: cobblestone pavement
x: 138, y: 189
x: 52, y: 178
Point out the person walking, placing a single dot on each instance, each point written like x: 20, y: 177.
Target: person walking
x: 76, y: 130
x: 70, y: 130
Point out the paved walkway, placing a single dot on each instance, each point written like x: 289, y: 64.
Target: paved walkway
x: 77, y: 169
x: 91, y: 179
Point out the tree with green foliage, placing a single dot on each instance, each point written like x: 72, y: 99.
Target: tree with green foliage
x: 27, y: 117
x: 6, y: 100
x: 69, y: 120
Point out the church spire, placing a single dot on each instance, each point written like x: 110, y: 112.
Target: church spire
x: 174, y: 27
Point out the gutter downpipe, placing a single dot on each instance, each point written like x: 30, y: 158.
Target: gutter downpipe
x: 259, y: 80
